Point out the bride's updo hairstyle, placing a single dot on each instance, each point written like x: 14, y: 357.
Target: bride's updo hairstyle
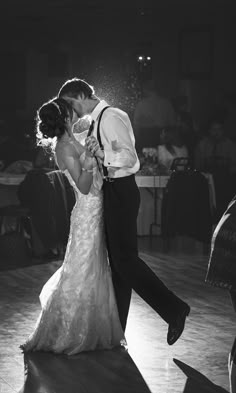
x: 51, y: 120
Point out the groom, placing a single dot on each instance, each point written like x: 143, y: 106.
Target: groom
x: 119, y: 163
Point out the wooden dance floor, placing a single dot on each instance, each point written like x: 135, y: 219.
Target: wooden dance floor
x: 201, y: 353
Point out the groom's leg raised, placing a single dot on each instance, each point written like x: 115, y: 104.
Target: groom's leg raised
x: 121, y: 209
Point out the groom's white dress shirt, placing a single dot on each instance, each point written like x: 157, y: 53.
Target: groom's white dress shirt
x: 118, y: 140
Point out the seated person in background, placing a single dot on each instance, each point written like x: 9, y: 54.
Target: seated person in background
x: 216, y: 152
x: 151, y: 114
x: 171, y: 147
x: 185, y: 122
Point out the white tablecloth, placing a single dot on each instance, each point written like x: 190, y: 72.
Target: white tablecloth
x: 8, y: 188
x: 11, y: 179
x: 9, y: 183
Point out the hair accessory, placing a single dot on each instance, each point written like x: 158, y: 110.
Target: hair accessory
x: 57, y: 106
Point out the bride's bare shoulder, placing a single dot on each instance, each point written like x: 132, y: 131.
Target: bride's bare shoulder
x: 69, y: 149
x: 62, y: 151
x: 65, y: 149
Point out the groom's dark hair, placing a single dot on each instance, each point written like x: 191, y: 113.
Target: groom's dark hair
x: 76, y: 87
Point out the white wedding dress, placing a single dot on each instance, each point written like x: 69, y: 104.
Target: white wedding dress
x: 79, y: 311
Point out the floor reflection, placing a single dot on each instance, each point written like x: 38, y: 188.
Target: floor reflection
x: 91, y: 372
x: 205, y: 344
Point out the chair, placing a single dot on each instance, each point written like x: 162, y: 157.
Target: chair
x: 50, y: 199
x: 15, y: 245
x: 181, y: 163
x: 186, y: 209
x: 224, y: 182
x: 17, y: 211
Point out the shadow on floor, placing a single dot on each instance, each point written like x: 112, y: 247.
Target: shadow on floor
x: 197, y: 382
x: 110, y: 371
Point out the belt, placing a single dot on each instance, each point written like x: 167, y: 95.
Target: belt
x: 117, y: 179
x: 109, y: 179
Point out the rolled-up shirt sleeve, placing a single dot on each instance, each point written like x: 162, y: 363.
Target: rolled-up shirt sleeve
x: 118, y: 141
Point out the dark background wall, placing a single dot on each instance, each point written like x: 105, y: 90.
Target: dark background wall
x: 191, y: 43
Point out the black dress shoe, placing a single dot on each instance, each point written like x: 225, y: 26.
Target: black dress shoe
x: 176, y: 327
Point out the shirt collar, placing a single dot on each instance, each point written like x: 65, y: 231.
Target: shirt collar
x: 98, y: 108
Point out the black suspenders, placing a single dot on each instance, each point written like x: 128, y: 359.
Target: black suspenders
x: 105, y: 171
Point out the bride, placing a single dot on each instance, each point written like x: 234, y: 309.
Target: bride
x: 79, y: 311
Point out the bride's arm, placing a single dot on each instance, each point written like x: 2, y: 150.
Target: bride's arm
x: 82, y: 175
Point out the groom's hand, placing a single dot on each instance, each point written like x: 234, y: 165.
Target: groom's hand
x: 93, y: 146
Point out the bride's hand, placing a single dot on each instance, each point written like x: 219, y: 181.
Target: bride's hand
x: 94, y: 147
x: 92, y: 144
